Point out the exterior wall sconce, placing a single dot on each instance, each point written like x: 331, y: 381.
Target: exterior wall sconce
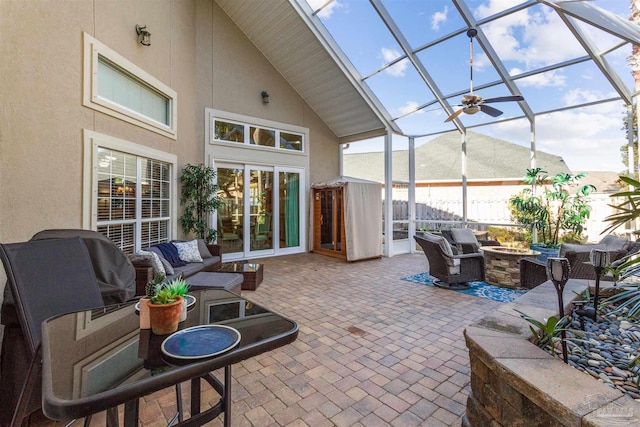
x: 144, y: 36
x: 265, y: 97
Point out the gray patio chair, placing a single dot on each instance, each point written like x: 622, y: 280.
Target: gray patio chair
x: 452, y: 271
x: 45, y: 278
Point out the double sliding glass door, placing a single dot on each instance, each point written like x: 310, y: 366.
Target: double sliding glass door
x: 262, y: 210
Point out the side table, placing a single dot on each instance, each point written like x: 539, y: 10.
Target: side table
x: 252, y: 273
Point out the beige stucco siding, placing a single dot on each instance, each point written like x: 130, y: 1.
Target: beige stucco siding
x: 195, y: 49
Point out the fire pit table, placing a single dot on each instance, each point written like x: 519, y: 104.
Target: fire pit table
x: 502, y: 265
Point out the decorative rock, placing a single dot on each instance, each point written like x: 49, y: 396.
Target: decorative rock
x: 593, y: 363
x: 624, y: 325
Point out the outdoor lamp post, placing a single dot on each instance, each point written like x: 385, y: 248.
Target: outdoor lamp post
x: 599, y: 258
x: 558, y: 272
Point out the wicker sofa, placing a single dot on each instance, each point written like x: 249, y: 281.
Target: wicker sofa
x: 211, y: 261
x: 533, y: 272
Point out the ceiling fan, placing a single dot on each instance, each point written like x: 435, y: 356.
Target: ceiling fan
x: 471, y: 103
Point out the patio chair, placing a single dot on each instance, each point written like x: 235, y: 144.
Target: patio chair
x: 465, y: 241
x: 45, y: 278
x: 452, y: 271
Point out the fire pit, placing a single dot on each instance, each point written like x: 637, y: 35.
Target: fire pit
x: 502, y: 264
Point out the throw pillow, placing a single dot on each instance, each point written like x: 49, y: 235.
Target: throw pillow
x: 170, y: 253
x: 188, y: 251
x: 166, y: 264
x: 155, y: 261
x: 204, y: 250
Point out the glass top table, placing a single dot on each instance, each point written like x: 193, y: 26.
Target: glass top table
x: 95, y: 360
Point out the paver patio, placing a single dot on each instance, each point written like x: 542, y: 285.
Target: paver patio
x: 373, y: 350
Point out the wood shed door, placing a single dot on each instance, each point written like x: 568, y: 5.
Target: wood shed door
x: 328, y: 222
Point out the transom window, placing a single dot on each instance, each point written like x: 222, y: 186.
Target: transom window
x: 117, y: 87
x: 245, y: 133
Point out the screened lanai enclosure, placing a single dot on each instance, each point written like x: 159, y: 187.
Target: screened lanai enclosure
x: 552, y: 78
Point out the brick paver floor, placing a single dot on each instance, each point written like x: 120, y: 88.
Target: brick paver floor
x: 373, y: 350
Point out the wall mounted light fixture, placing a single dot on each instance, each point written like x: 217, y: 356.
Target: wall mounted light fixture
x: 144, y: 36
x: 265, y: 97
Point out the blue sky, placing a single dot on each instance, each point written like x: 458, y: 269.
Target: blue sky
x: 587, y: 138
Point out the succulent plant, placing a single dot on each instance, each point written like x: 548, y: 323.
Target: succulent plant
x: 150, y: 288
x: 179, y: 286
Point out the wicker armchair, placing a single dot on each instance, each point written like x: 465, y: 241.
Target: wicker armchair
x: 452, y: 271
x: 463, y: 241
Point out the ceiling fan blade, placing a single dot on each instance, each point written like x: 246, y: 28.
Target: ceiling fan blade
x: 504, y: 99
x: 493, y: 112
x: 454, y: 115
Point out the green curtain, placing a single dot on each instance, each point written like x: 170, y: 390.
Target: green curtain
x: 292, y: 211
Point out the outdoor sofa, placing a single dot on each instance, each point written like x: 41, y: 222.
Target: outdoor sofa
x: 146, y: 267
x: 533, y: 271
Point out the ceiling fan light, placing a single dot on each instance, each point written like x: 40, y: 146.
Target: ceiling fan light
x: 472, y: 109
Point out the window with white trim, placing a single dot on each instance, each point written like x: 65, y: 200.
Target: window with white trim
x: 253, y: 135
x: 131, y: 193
x: 116, y: 86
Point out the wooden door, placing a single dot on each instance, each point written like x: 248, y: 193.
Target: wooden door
x: 328, y: 222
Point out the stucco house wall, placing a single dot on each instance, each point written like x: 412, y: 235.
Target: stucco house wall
x: 195, y: 49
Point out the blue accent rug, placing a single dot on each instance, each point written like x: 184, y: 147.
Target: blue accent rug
x: 476, y: 289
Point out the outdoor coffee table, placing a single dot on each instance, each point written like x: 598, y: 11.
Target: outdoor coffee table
x: 98, y: 359
x: 252, y: 273
x: 502, y: 264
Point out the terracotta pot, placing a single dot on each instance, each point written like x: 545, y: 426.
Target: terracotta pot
x: 165, y: 317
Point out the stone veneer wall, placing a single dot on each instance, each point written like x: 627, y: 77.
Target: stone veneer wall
x: 514, y: 383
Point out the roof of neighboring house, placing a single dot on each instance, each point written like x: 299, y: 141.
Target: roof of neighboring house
x: 440, y: 160
x: 605, y: 182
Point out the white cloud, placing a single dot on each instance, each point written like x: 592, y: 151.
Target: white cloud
x: 581, y: 96
x: 409, y: 107
x: 588, y: 139
x: 531, y: 38
x: 438, y: 18
x: 553, y: 78
x: 328, y: 10
x: 396, y: 70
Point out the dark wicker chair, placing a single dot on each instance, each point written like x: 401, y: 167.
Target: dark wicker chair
x: 533, y: 272
x: 452, y: 271
x: 463, y: 240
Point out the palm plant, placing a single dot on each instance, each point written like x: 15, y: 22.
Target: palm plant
x: 555, y: 209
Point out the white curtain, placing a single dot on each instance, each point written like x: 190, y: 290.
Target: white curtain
x: 363, y: 220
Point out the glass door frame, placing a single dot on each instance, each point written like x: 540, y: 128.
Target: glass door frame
x: 246, y: 252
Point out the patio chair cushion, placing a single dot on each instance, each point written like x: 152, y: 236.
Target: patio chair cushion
x: 188, y: 251
x: 577, y: 247
x: 155, y: 261
x: 464, y: 235
x: 204, y: 251
x: 168, y: 268
x: 614, y: 243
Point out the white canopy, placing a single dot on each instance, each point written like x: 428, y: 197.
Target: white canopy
x: 362, y: 216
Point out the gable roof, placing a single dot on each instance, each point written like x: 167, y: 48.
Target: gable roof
x: 440, y: 160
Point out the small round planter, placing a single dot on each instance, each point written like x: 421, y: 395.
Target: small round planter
x: 165, y: 317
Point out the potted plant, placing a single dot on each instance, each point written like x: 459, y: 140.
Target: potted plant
x: 552, y: 212
x: 180, y: 287
x: 199, y: 196
x: 165, y: 308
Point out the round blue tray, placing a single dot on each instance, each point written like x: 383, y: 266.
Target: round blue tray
x: 200, y: 342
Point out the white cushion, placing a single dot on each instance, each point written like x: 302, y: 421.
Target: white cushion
x: 155, y: 260
x: 463, y: 235
x: 188, y: 251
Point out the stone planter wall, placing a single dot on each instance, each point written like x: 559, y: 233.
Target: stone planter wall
x: 514, y: 383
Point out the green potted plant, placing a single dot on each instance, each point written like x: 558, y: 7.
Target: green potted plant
x: 180, y: 287
x: 199, y: 196
x: 165, y: 309
x: 552, y: 212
